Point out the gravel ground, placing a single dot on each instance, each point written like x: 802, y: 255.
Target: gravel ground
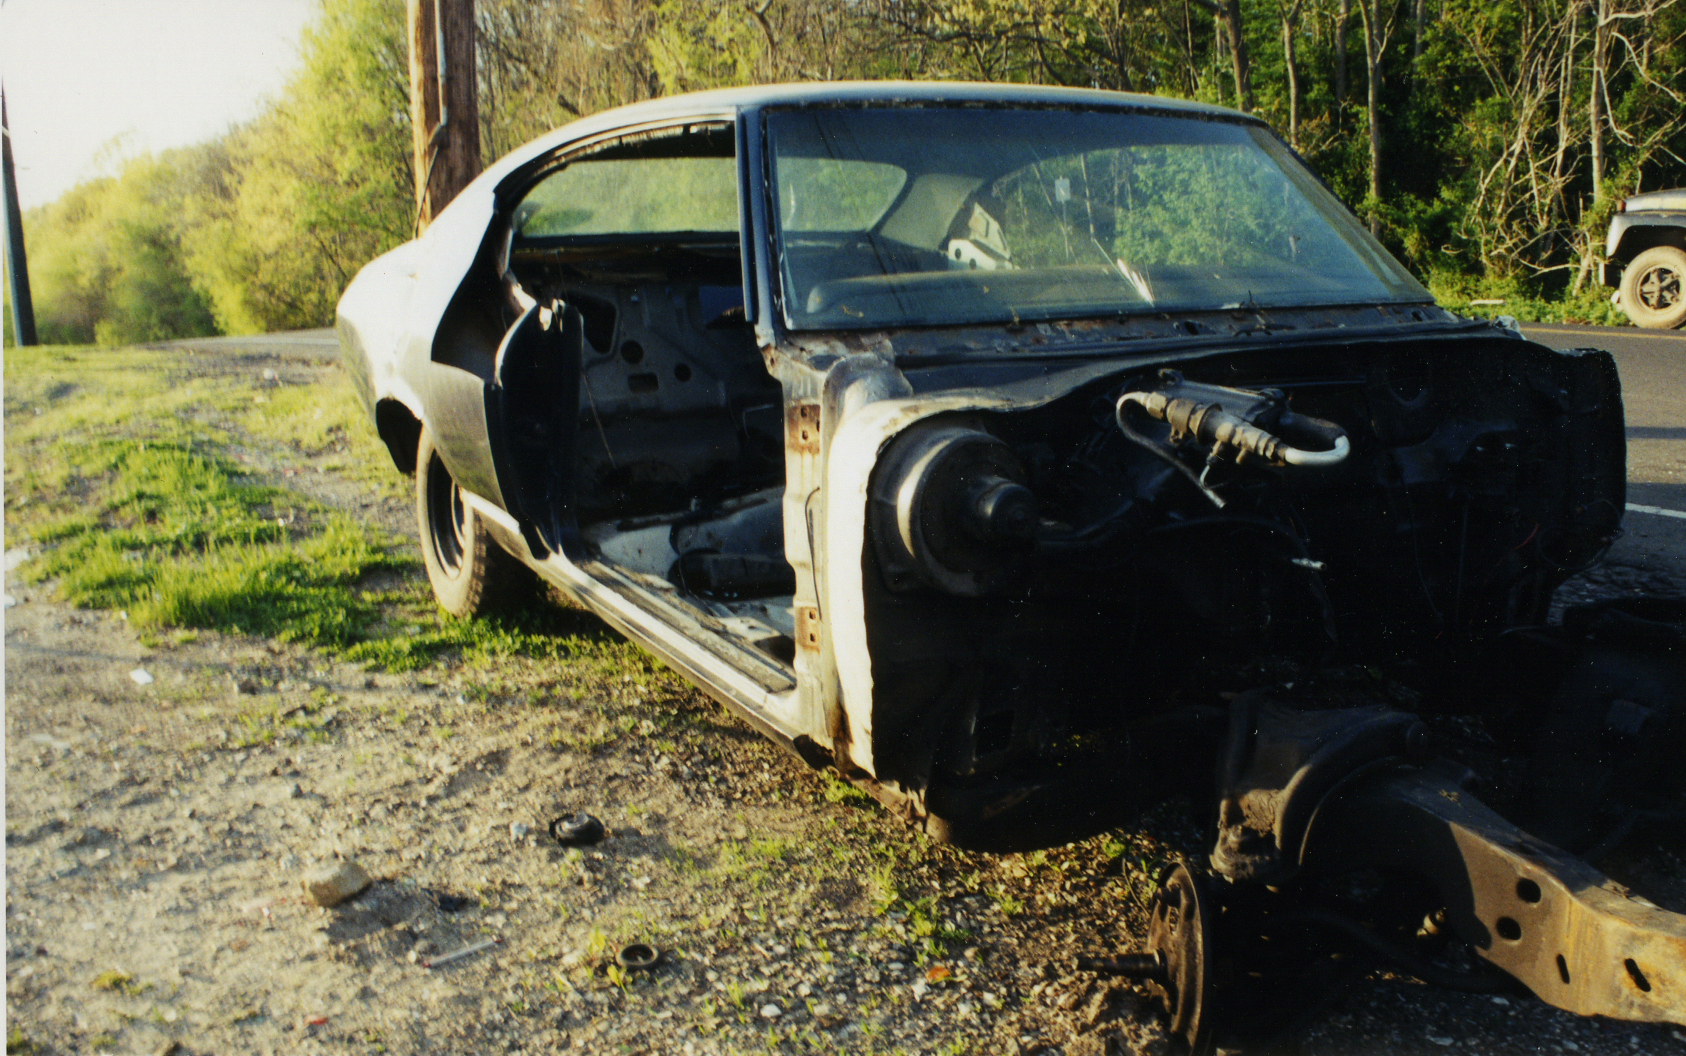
x: 156, y: 836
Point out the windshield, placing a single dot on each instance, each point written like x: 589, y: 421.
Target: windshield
x: 904, y: 217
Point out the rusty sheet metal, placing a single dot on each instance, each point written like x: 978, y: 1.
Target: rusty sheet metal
x: 802, y: 428
x: 808, y: 627
x: 1575, y: 937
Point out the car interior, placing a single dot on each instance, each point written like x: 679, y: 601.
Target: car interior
x: 678, y: 465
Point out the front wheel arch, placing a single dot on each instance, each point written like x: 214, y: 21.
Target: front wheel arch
x: 400, y: 430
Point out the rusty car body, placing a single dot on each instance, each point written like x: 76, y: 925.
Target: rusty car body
x: 1016, y: 451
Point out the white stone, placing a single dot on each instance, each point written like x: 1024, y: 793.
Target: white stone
x: 140, y: 677
x: 331, y: 884
x: 771, y: 1011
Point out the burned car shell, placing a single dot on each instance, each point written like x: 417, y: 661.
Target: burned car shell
x: 979, y: 567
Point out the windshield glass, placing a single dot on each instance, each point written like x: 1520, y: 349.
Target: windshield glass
x: 944, y: 216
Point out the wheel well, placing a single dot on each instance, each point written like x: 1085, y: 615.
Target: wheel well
x: 401, y: 432
x: 1637, y: 240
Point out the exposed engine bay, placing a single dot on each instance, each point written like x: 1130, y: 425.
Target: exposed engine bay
x: 1155, y: 541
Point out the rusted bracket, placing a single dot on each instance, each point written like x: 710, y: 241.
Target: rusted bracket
x: 1576, y: 938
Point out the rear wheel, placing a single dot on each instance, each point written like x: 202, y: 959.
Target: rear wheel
x: 469, y: 572
x: 1654, y: 288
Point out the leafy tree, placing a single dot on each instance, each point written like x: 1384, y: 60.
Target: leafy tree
x: 318, y: 184
x: 106, y: 258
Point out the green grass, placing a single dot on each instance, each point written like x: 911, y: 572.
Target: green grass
x: 176, y: 537
x: 132, y: 478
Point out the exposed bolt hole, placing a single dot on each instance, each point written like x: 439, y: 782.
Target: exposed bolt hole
x: 1508, y: 929
x: 1562, y: 968
x: 632, y: 352
x: 1527, y: 890
x: 1637, y: 976
x: 682, y: 372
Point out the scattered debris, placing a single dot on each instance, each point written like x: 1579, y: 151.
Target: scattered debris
x: 457, y: 955
x: 447, y: 902
x: 573, y: 830
x: 329, y: 885
x: 140, y: 677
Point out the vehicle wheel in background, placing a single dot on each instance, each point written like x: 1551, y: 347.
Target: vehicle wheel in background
x: 1654, y: 288
x: 469, y: 572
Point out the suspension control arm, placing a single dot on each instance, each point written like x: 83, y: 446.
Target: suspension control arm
x: 1573, y: 936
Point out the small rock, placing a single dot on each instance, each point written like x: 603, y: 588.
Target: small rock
x: 169, y: 1048
x: 804, y: 989
x: 1438, y: 1040
x: 329, y: 885
x: 771, y: 1011
x: 140, y: 677
x: 518, y: 829
x: 8, y: 600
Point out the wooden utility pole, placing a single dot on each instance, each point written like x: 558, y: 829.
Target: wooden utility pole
x: 17, y: 266
x: 444, y: 115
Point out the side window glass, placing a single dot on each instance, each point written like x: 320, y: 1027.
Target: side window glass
x: 633, y: 196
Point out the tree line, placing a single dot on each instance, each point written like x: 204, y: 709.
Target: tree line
x: 1485, y: 141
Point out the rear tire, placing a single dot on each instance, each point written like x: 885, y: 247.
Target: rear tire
x: 470, y: 573
x: 1654, y: 288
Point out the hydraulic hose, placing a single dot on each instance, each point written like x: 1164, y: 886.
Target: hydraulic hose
x: 1211, y: 424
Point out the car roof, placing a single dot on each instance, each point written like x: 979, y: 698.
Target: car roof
x: 721, y: 101
x: 893, y: 92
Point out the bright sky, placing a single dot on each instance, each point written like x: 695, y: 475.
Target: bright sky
x: 89, y: 82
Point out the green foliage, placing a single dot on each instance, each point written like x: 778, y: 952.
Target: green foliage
x: 316, y: 186
x: 106, y: 259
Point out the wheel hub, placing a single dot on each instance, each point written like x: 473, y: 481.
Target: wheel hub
x: 1659, y: 288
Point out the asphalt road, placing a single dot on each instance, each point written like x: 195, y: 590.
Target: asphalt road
x: 1653, y: 369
